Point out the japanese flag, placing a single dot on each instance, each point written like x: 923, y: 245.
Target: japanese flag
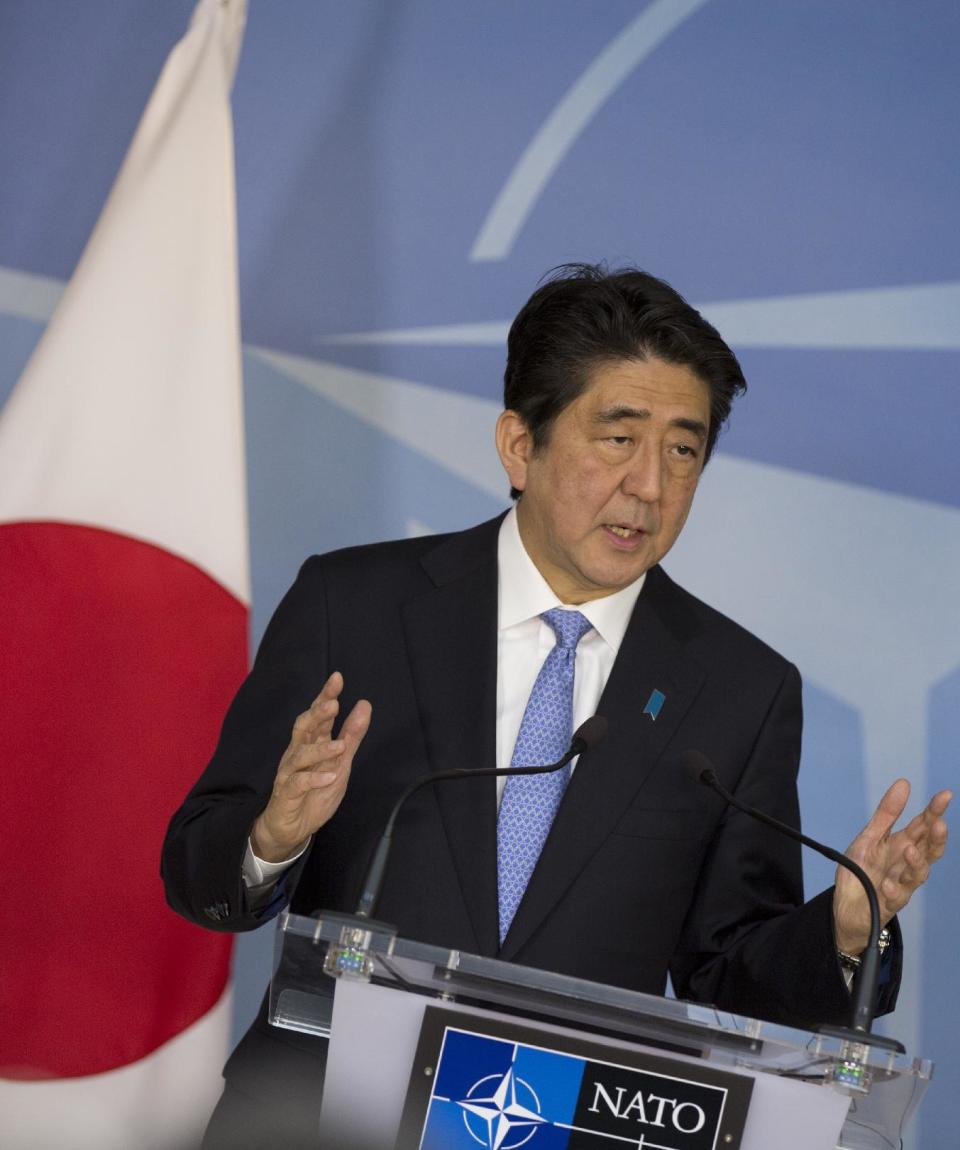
x: 123, y: 635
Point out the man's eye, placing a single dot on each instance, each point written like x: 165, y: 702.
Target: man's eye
x: 618, y: 440
x: 686, y: 450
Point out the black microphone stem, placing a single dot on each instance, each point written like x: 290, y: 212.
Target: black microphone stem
x: 378, y: 864
x: 867, y: 978
x: 587, y: 735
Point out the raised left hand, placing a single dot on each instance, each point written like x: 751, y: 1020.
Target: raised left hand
x: 897, y: 862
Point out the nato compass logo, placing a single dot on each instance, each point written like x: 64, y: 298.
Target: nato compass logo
x: 501, y: 1095
x: 496, y: 1117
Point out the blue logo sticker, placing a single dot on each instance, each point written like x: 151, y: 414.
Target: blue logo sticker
x: 654, y: 703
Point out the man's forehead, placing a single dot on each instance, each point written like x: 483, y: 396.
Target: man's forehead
x: 641, y: 386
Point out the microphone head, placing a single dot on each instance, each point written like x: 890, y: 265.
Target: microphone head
x: 590, y: 732
x: 698, y: 767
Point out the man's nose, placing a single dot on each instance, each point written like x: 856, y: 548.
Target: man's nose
x: 644, y: 476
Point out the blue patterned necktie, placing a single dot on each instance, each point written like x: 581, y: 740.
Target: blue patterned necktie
x: 530, y: 802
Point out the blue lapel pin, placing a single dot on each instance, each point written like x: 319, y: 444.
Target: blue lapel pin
x: 654, y: 703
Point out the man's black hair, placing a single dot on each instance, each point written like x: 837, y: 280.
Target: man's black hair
x: 583, y: 316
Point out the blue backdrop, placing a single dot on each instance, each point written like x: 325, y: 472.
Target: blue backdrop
x: 406, y: 172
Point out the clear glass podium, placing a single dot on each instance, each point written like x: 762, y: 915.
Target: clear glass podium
x: 392, y: 1007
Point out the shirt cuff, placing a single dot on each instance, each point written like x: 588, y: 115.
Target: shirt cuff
x: 257, y: 872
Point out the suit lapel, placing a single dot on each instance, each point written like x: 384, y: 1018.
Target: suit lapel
x: 451, y: 633
x: 651, y: 658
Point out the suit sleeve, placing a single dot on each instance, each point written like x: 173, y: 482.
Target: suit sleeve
x: 750, y: 944
x: 207, y: 837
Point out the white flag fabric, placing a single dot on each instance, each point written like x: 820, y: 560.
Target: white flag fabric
x: 124, y: 580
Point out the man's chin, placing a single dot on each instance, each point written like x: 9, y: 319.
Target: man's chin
x: 607, y: 578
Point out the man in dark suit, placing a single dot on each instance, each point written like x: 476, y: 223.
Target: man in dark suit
x: 615, y: 391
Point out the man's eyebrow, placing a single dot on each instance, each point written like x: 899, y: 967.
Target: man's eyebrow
x: 697, y: 426
x: 616, y: 414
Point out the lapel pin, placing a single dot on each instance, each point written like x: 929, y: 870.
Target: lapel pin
x: 654, y: 703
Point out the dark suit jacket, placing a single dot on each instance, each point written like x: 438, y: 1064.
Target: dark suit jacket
x: 644, y: 872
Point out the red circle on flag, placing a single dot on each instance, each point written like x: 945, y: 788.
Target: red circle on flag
x: 117, y: 663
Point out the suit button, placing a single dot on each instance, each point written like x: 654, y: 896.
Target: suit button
x: 217, y: 911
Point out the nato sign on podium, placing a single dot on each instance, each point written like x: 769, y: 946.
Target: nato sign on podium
x: 435, y: 1049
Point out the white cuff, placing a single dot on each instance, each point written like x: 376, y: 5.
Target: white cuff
x: 257, y: 872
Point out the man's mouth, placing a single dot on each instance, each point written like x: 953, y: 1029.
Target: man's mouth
x: 623, y: 532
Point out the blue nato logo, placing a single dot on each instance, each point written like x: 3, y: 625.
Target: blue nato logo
x: 500, y: 1095
x: 500, y: 1120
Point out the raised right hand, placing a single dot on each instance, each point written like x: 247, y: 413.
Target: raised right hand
x: 313, y: 774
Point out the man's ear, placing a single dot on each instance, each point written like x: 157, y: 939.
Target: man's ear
x: 514, y: 446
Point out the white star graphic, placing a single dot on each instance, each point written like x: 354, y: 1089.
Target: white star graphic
x: 501, y: 1112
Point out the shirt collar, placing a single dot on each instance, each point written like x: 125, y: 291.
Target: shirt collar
x: 525, y: 594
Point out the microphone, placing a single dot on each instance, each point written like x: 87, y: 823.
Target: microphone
x: 587, y: 735
x: 701, y: 770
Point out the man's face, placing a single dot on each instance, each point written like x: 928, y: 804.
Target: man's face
x: 608, y: 494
